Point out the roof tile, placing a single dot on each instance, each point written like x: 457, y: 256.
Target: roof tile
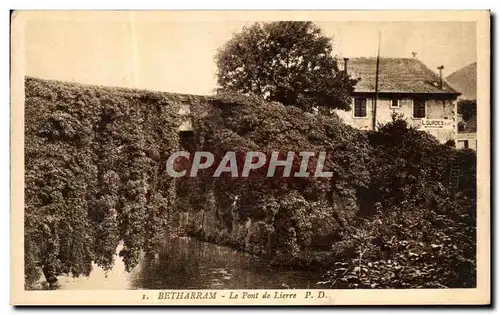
x: 396, y: 75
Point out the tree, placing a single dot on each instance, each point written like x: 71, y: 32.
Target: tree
x: 467, y: 109
x: 289, y: 62
x: 405, y: 160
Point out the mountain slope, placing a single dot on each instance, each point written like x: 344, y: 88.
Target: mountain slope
x: 464, y: 80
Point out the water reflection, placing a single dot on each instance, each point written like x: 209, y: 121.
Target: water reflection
x: 186, y: 263
x: 115, y: 279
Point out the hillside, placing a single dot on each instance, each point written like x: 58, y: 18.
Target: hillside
x: 464, y: 80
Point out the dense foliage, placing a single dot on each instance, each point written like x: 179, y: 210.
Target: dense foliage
x: 95, y: 174
x: 392, y: 215
x: 284, y: 210
x: 285, y: 61
x: 419, y: 229
x: 389, y: 217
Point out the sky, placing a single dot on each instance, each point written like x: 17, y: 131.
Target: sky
x: 157, y: 52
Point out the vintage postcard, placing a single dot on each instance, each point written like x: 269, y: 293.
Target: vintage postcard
x: 250, y: 157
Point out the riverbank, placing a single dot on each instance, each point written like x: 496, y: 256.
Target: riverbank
x: 316, y: 260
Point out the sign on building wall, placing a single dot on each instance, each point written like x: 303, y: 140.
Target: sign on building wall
x: 436, y: 124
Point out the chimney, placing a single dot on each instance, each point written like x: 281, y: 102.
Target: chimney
x: 440, y: 68
x: 345, y: 64
x: 414, y: 54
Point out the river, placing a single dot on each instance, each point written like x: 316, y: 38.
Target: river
x: 185, y: 263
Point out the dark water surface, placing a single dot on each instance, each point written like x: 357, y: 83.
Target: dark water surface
x: 186, y: 263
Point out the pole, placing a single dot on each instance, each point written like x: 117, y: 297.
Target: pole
x: 374, y: 111
x: 440, y: 68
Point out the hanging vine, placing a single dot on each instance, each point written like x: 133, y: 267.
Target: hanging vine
x: 95, y: 175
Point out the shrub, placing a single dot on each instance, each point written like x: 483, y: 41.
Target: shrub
x: 420, y: 230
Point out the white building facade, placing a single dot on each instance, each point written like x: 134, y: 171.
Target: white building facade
x: 406, y: 87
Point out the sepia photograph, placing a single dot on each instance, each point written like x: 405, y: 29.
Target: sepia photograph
x: 250, y: 158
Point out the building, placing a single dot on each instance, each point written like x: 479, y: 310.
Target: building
x: 467, y: 137
x: 465, y: 81
x: 405, y: 86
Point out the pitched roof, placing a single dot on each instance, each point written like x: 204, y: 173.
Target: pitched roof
x: 464, y: 80
x: 396, y: 75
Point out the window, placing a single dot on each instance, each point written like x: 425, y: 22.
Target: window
x: 463, y: 144
x: 360, y: 107
x: 394, y: 103
x: 419, y: 108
